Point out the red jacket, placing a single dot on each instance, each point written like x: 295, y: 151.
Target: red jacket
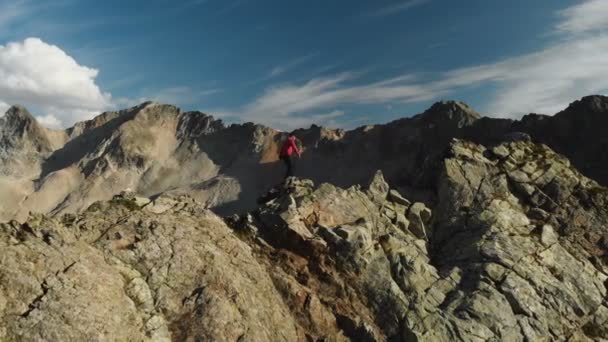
x: 289, y: 148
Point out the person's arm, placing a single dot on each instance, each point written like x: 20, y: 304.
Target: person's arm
x: 295, y: 147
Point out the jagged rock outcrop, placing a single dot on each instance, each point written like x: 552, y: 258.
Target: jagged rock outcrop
x: 576, y: 132
x: 24, y: 144
x: 23, y: 141
x: 515, y: 249
x: 21, y: 131
x: 512, y: 219
x: 510, y: 253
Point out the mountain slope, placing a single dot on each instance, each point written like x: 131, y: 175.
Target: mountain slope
x: 515, y: 250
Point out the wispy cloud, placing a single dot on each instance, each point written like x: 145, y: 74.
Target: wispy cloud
x: 542, y: 81
x: 283, y: 106
x: 182, y: 95
x: 547, y: 80
x: 193, y: 3
x: 331, y: 115
x: 177, y: 95
x: 124, y: 82
x: 17, y: 13
x: 398, y: 6
x: 230, y: 7
x: 588, y: 16
x: 281, y: 69
x: 13, y: 11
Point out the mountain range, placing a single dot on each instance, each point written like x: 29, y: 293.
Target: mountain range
x: 153, y: 149
x: 153, y: 224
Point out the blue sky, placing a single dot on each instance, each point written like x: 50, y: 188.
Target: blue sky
x: 293, y: 63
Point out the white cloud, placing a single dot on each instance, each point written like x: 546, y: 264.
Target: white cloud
x: 3, y: 108
x: 49, y: 121
x: 588, y: 16
x: 34, y: 73
x: 400, y: 6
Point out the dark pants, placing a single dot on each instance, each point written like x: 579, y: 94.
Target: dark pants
x: 289, y: 164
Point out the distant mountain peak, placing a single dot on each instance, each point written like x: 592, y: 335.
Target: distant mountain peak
x: 455, y: 112
x: 591, y: 103
x: 19, y: 114
x: 18, y: 121
x: 20, y: 128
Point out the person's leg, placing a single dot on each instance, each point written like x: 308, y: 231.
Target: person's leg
x: 286, y: 162
x: 289, y: 166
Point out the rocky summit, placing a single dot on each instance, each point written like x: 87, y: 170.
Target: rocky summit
x: 151, y: 224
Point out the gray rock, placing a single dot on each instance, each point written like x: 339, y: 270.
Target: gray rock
x: 402, y: 223
x: 519, y: 176
x: 419, y: 215
x: 395, y: 196
x: 538, y: 214
x: 141, y: 201
x: 421, y: 211
x: 378, y: 189
x: 548, y: 236
x: 501, y: 151
x: 517, y: 137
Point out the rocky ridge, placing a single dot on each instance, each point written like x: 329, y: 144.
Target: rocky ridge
x: 514, y: 247
x: 156, y: 149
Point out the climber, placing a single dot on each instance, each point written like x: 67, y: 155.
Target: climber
x: 287, y: 152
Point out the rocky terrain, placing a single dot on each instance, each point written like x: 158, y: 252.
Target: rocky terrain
x: 515, y: 250
x: 155, y: 224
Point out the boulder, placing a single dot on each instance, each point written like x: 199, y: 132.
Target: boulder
x: 548, y: 236
x: 419, y: 215
x: 395, y: 196
x: 378, y: 189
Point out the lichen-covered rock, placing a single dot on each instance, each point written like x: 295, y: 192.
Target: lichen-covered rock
x: 131, y: 275
x: 546, y: 275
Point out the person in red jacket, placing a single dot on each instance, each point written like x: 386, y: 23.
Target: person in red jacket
x: 287, y: 151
